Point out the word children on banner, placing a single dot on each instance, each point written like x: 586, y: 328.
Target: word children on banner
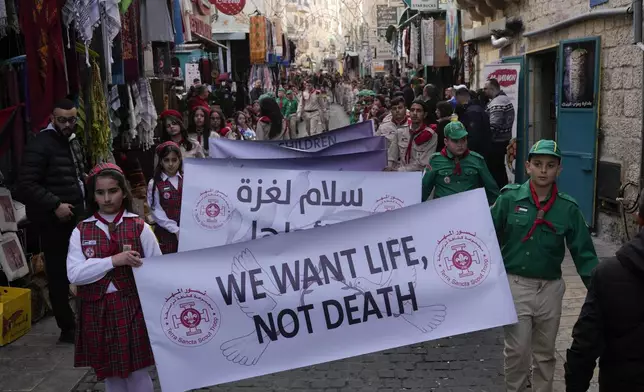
x: 238, y: 311
x: 244, y: 204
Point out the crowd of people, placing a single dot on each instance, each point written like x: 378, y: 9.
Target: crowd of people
x: 92, y: 238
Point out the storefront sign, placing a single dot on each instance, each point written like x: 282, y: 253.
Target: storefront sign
x: 424, y: 5
x: 198, y: 26
x: 406, y: 276
x: 229, y: 7
x: 386, y: 16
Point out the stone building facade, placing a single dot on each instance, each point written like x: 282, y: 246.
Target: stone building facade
x: 620, y: 89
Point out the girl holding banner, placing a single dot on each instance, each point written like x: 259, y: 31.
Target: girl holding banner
x: 164, y: 195
x: 111, y: 335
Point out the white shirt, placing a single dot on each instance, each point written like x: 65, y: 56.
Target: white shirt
x: 158, y: 213
x: 82, y: 271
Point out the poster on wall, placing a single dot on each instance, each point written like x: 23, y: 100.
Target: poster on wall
x: 578, y: 75
x: 508, y: 77
x: 192, y: 73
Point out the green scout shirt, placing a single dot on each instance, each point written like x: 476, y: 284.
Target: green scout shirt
x: 541, y: 255
x: 283, y: 104
x: 474, y: 174
x: 291, y: 107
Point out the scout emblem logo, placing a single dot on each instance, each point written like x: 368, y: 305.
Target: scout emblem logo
x: 166, y: 195
x: 388, y: 203
x: 212, y: 210
x: 190, y: 318
x: 462, y: 260
x: 89, y: 252
x: 447, y: 180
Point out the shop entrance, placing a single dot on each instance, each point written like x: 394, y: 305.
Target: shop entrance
x: 542, y: 89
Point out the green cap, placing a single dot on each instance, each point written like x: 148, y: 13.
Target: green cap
x: 289, y: 92
x: 545, y: 147
x: 455, y: 130
x: 267, y: 95
x: 281, y: 89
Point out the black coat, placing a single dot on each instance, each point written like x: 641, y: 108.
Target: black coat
x: 611, y: 325
x: 48, y: 177
x: 477, y: 123
x: 409, y: 95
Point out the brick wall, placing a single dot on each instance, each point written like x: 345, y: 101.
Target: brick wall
x: 621, y: 78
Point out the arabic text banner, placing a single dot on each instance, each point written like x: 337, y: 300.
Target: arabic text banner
x: 233, y: 312
x: 241, y: 204
x: 362, y: 161
x: 225, y: 148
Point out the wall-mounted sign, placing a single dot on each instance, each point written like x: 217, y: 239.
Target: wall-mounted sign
x: 202, y: 7
x: 198, y: 26
x: 424, y: 5
x: 386, y: 16
x: 229, y: 7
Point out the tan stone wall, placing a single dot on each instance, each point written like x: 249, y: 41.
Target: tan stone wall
x: 621, y: 78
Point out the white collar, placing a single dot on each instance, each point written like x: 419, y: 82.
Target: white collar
x: 126, y: 214
x: 164, y: 177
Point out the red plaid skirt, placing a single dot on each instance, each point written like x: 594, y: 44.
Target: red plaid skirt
x: 168, y: 242
x: 111, y: 336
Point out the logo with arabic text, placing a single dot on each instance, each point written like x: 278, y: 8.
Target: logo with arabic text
x: 212, y: 210
x: 388, y: 203
x: 462, y: 260
x: 190, y: 318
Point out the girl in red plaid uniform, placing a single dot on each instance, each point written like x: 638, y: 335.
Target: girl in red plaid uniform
x: 111, y: 335
x: 164, y: 195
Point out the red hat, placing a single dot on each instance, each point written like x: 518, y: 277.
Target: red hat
x: 204, y: 108
x: 98, y: 169
x: 222, y: 77
x: 171, y: 112
x: 169, y: 143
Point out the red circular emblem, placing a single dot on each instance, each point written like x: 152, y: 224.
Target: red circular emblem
x: 89, y: 253
x: 229, y: 7
x: 462, y: 260
x: 212, y: 210
x: 166, y: 195
x: 190, y: 318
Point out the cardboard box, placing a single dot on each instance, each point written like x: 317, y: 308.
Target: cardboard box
x: 15, y: 312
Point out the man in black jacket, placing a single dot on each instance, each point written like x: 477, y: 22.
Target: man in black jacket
x: 407, y: 90
x: 611, y: 323
x: 50, y: 183
x: 472, y: 114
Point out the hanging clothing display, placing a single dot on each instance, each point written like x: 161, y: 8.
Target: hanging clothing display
x: 130, y: 42
x: 112, y: 112
x: 427, y: 39
x: 156, y: 24
x: 257, y: 39
x: 12, y: 16
x: 100, y: 133
x: 413, y: 47
x: 4, y: 25
x: 148, y: 114
x: 405, y: 43
x: 451, y: 30
x: 41, y: 26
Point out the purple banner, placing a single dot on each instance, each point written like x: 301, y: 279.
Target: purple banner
x: 319, y: 142
x: 224, y: 148
x: 362, y: 161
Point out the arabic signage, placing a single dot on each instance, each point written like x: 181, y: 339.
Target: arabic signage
x: 508, y: 77
x: 198, y: 26
x: 386, y: 16
x: 364, y: 161
x: 243, y: 204
x: 578, y: 84
x: 234, y: 312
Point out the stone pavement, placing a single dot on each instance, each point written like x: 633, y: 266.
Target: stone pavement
x: 471, y: 362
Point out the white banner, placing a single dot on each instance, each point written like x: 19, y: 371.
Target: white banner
x: 239, y: 311
x: 220, y: 207
x: 508, y: 77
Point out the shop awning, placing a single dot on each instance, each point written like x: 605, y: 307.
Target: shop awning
x: 208, y: 41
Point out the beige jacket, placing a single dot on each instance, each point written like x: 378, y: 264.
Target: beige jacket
x: 419, y: 154
x: 264, y: 129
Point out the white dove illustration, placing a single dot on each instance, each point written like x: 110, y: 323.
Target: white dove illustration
x: 246, y: 350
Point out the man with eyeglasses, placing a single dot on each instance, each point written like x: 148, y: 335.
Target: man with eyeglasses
x: 50, y: 184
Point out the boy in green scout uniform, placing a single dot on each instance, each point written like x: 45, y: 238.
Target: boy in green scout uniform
x: 290, y: 113
x: 456, y: 169
x: 532, y: 220
x: 281, y: 100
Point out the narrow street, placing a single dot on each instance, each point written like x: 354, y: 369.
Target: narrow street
x: 470, y: 362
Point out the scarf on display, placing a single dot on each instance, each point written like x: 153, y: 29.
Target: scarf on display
x: 541, y: 211
x: 451, y: 30
x: 258, y: 40
x: 130, y: 42
x: 4, y: 21
x: 115, y: 248
x: 420, y: 136
x: 457, y: 161
x: 427, y: 41
x: 40, y: 23
x: 413, y: 47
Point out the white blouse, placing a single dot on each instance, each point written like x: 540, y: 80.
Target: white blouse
x: 82, y: 271
x: 158, y: 213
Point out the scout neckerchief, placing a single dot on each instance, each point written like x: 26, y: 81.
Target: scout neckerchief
x: 420, y: 136
x: 111, y: 227
x: 541, y: 213
x: 457, y: 160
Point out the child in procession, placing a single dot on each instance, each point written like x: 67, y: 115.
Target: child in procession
x: 175, y: 130
x: 534, y: 223
x: 199, y: 126
x: 164, y: 195
x: 111, y: 336
x: 456, y: 169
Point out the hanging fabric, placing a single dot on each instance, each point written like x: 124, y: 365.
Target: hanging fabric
x: 113, y: 111
x: 156, y: 24
x: 427, y: 46
x: 12, y: 16
x: 451, y: 30
x: 148, y: 114
x: 257, y: 39
x: 100, y: 133
x: 130, y: 43
x: 413, y: 47
x: 41, y: 26
x: 4, y: 22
